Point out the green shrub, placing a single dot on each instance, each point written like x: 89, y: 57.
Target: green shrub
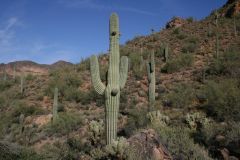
x: 174, y: 65
x: 180, y: 144
x: 4, y: 85
x: 223, y: 101
x: 228, y: 64
x: 190, y: 45
x: 66, y: 123
x: 23, y: 108
x: 67, y: 80
x: 137, y: 119
x: 190, y: 19
x: 135, y: 64
x: 182, y: 96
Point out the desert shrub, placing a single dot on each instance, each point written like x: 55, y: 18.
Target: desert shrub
x: 181, y: 36
x: 136, y: 65
x: 30, y: 77
x: 190, y: 19
x: 9, y: 151
x: 66, y: 123
x: 23, y: 108
x: 136, y: 119
x: 182, y: 96
x: 176, y: 31
x: 83, y: 65
x: 179, y: 143
x: 228, y: 64
x: 4, y: 85
x: 67, y: 81
x: 190, y: 45
x: 223, y: 101
x: 175, y: 64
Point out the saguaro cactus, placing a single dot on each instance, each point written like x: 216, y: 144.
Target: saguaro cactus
x: 116, y: 79
x: 22, y: 83
x: 14, y: 72
x: 151, y: 80
x: 4, y: 74
x: 166, y: 53
x: 217, y: 34
x: 235, y: 26
x: 55, y: 105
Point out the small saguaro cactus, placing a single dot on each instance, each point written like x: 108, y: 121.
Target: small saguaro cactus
x: 217, y: 34
x: 22, y: 83
x: 4, y: 74
x: 235, y: 26
x: 151, y: 80
x: 166, y: 53
x: 55, y: 105
x: 21, y: 121
x: 14, y: 72
x: 116, y: 79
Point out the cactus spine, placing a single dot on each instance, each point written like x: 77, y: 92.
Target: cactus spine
x: 151, y: 80
x: 55, y: 105
x: 116, y: 79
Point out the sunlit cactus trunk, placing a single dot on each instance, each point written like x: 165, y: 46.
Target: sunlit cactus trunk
x: 55, y: 105
x: 151, y: 80
x: 116, y: 79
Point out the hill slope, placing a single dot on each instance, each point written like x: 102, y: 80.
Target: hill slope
x: 197, y: 96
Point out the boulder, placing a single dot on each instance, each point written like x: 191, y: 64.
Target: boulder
x: 148, y: 144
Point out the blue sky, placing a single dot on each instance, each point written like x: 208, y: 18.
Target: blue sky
x: 46, y: 31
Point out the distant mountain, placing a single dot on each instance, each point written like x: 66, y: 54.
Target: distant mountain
x: 31, y: 67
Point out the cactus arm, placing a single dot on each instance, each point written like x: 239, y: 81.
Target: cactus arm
x: 123, y: 71
x: 96, y: 81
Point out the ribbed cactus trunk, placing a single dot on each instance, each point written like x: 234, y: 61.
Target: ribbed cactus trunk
x: 152, y: 81
x: 55, y: 105
x: 116, y: 79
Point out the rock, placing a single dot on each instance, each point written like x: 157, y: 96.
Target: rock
x: 233, y: 10
x: 141, y: 93
x: 148, y: 144
x: 161, y: 89
x: 175, y: 22
x: 225, y: 154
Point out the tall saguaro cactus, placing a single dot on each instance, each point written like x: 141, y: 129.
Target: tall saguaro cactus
x: 116, y: 79
x: 151, y: 80
x: 55, y: 105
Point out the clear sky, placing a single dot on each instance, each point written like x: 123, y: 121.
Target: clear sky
x: 46, y: 31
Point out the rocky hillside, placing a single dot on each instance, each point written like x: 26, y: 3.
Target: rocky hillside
x: 196, y: 114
